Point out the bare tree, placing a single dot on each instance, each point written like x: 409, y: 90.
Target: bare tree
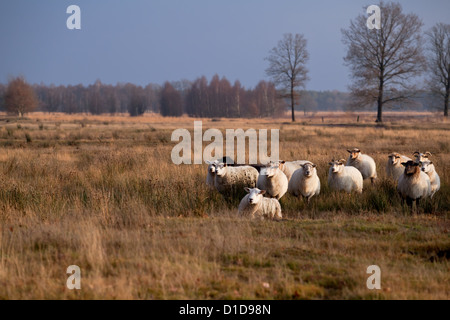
x: 171, y: 103
x: 382, y: 61
x: 439, y: 62
x: 20, y: 97
x: 287, y: 65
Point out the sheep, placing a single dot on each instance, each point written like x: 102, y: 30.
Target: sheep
x: 229, y: 178
x: 305, y: 182
x: 257, y: 206
x: 288, y: 167
x: 364, y: 163
x: 394, y: 166
x: 421, y: 156
x: 413, y: 184
x: 345, y: 178
x: 211, y: 174
x: 430, y: 170
x: 273, y: 181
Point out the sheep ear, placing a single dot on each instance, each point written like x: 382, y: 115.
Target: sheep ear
x: 416, y: 153
x: 428, y: 153
x: 349, y: 151
x: 314, y: 165
x: 330, y: 163
x: 404, y: 164
x: 209, y: 162
x: 247, y: 189
x: 262, y: 191
x: 282, y: 161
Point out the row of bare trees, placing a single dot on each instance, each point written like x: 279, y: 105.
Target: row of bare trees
x: 216, y: 98
x: 19, y: 97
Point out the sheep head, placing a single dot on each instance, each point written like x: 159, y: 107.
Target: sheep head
x: 255, y: 195
x: 354, y: 153
x: 309, y: 169
x: 411, y: 167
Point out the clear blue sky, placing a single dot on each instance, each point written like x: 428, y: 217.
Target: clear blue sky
x: 157, y: 40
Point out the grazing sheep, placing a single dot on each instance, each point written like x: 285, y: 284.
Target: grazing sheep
x: 273, y: 181
x: 289, y: 167
x: 435, y: 181
x: 364, y: 163
x: 305, y: 182
x: 394, y: 166
x: 413, y: 184
x: 232, y: 178
x: 257, y: 206
x: 419, y: 157
x: 347, y: 178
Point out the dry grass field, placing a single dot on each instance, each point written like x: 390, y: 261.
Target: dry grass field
x: 101, y: 192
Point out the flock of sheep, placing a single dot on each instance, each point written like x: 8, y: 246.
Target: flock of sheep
x: 265, y: 185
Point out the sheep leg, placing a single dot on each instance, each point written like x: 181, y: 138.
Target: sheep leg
x: 409, y: 202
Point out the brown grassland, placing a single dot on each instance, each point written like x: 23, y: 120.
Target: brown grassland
x: 102, y: 193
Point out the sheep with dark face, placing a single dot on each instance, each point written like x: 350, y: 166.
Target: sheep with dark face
x: 255, y: 205
x: 413, y: 184
x: 394, y: 166
x: 305, y: 182
x: 430, y: 170
x: 364, y: 163
x: 272, y: 180
x: 345, y: 178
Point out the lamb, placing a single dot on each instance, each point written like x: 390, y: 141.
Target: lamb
x: 435, y: 181
x: 288, y: 167
x: 394, y: 166
x: 364, y: 163
x: 305, y: 182
x: 229, y: 178
x: 421, y: 156
x: 413, y: 184
x: 257, y: 206
x: 273, y: 181
x: 345, y: 178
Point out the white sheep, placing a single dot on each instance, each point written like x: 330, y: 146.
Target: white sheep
x: 305, y: 182
x: 347, y: 178
x: 364, y: 163
x: 419, y: 157
x: 430, y: 170
x: 272, y: 180
x: 289, y: 167
x: 394, y: 166
x: 211, y: 174
x: 231, y: 178
x: 413, y: 184
x: 257, y: 206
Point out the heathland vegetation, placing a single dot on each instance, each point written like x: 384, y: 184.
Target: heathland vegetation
x: 102, y: 193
